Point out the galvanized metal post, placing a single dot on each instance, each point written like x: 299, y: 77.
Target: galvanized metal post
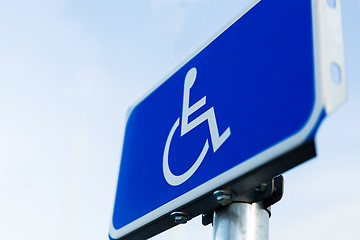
x: 241, y: 221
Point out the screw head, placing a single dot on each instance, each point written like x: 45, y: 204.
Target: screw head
x: 180, y: 217
x: 261, y: 188
x: 224, y: 197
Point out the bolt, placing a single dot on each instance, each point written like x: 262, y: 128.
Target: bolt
x: 261, y: 188
x: 224, y: 197
x: 180, y: 217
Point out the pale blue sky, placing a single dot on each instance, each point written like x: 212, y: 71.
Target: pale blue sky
x: 69, y: 70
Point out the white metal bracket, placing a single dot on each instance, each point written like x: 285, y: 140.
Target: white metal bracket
x: 329, y: 52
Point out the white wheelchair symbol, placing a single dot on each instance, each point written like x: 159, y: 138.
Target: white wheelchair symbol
x: 186, y: 127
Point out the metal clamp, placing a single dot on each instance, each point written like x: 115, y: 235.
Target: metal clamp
x: 269, y: 193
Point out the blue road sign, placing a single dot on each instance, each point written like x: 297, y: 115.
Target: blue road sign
x: 253, y: 93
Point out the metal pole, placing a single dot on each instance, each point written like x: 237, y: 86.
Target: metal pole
x: 241, y: 221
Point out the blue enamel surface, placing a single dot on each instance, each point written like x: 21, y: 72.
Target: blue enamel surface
x: 259, y: 77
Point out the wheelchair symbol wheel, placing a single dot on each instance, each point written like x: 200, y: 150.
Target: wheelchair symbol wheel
x: 176, y: 180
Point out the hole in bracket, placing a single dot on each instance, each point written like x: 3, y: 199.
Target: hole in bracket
x: 335, y: 73
x: 331, y: 3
